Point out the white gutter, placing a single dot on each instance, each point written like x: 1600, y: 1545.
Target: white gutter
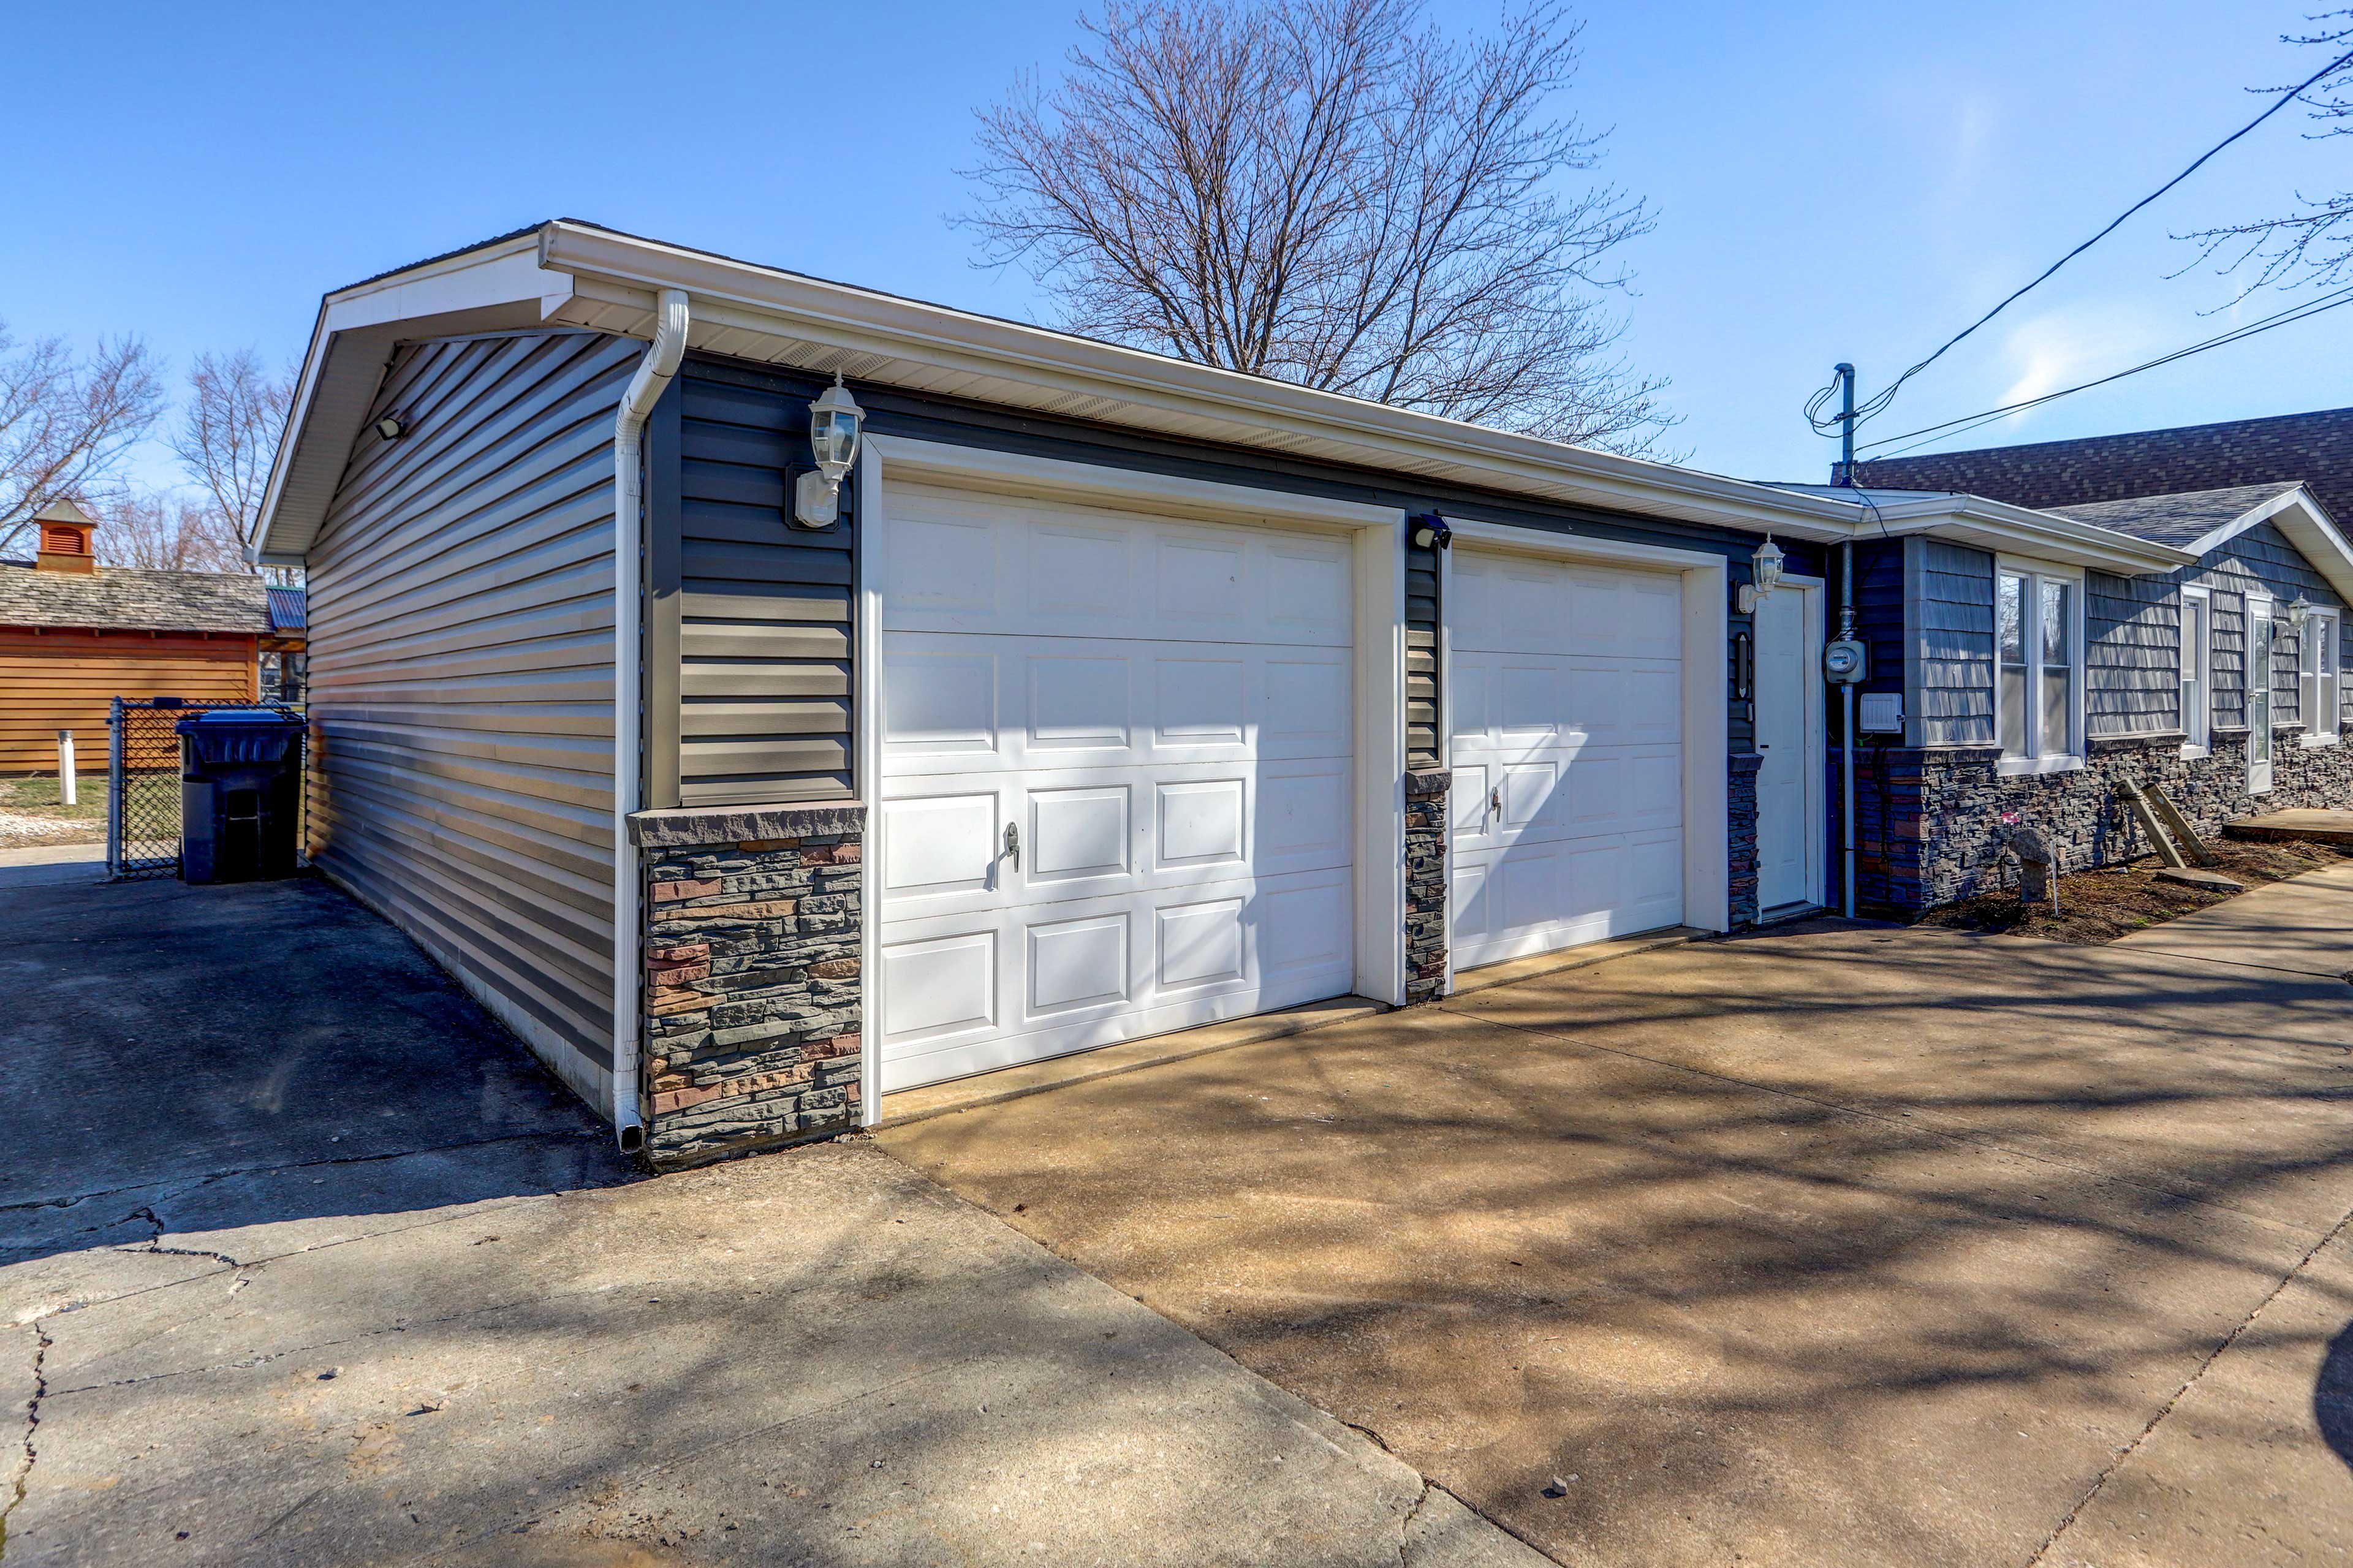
x: 653, y: 374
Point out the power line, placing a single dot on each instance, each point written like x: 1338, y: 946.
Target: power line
x: 2288, y: 317
x: 1878, y: 404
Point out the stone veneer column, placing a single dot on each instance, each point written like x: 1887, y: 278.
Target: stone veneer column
x: 1740, y: 836
x: 1425, y: 884
x: 1947, y: 804
x: 753, y: 997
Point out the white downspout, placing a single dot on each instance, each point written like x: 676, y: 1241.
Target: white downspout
x: 653, y: 374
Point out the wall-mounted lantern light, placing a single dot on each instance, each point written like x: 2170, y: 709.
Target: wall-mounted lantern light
x: 1766, y: 565
x: 1430, y: 532
x: 2298, y: 612
x: 835, y: 419
x: 391, y: 426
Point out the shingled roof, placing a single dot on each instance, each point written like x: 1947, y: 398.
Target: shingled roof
x: 2181, y: 519
x: 2053, y: 476
x: 130, y: 599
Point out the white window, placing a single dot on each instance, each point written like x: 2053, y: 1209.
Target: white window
x: 2197, y: 659
x: 2316, y: 697
x: 2039, y: 655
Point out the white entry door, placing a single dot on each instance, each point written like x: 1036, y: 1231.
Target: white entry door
x: 1790, y: 782
x: 1565, y: 712
x: 1117, y: 788
x: 2261, y: 632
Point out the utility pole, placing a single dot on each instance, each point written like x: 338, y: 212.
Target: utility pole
x: 1852, y: 672
x: 1845, y: 475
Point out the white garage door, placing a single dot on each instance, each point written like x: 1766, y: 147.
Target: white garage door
x: 1565, y: 711
x: 1116, y: 791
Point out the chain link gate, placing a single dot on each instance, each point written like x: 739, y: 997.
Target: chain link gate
x: 142, y: 783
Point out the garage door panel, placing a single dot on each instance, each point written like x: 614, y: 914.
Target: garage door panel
x: 937, y: 988
x: 939, y: 704
x: 1081, y: 963
x: 1567, y: 756
x: 1080, y: 834
x: 1305, y: 817
x: 940, y: 844
x: 1198, y: 701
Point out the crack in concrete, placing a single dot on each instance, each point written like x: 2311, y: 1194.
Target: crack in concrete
x: 41, y: 1343
x: 183, y: 1186
x: 2123, y: 1455
x: 155, y: 1242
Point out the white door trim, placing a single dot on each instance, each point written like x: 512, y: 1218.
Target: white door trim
x: 1706, y: 639
x: 1378, y: 665
x: 1813, y: 630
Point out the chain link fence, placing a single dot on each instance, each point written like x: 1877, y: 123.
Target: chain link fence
x: 142, y: 806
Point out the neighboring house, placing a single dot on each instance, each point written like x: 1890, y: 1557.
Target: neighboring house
x: 1122, y: 694
x: 2316, y: 448
x: 75, y: 635
x: 2031, y: 685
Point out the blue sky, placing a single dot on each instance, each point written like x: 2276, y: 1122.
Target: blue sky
x: 1832, y: 180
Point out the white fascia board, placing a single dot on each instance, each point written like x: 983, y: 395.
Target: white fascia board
x: 2046, y: 536
x: 496, y: 287
x: 2306, y: 524
x: 761, y: 313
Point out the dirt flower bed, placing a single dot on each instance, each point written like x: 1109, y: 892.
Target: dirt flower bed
x: 2103, y: 905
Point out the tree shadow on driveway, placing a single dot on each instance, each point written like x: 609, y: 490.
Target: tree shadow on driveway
x: 1835, y: 1247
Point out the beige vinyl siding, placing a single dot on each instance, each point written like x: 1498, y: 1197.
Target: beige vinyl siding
x: 461, y: 677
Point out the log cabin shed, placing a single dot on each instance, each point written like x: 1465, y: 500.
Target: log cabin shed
x: 1119, y: 695
x: 74, y: 634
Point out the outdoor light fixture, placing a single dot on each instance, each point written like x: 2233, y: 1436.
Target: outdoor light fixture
x: 1766, y: 565
x: 391, y: 426
x: 1430, y: 532
x: 2298, y: 612
x: 834, y: 421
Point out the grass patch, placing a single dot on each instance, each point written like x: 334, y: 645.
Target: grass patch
x: 40, y: 797
x: 2103, y: 905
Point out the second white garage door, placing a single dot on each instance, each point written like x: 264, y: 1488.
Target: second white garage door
x: 1565, y: 708
x: 1117, y: 789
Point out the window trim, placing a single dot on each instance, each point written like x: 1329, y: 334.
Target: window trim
x: 2308, y: 643
x: 2198, y: 740
x: 2036, y: 572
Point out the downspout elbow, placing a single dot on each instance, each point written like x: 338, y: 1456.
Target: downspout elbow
x: 655, y: 370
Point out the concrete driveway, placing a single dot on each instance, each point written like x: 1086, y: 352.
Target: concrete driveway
x: 1831, y: 1247
x: 304, y: 1261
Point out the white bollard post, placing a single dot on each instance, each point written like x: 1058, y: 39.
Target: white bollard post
x: 65, y: 767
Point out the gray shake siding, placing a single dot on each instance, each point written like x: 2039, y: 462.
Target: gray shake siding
x: 1951, y: 589
x: 461, y: 677
x: 2132, y: 656
x: 2132, y: 639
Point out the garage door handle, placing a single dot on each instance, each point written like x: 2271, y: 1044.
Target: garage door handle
x: 1013, y: 844
x: 1495, y: 800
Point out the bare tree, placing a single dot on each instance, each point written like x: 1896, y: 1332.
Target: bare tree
x: 229, y: 432
x: 168, y: 530
x: 1334, y: 192
x: 67, y: 422
x: 2315, y: 244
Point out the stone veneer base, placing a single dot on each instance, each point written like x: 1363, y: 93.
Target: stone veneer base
x: 753, y: 1000
x: 1425, y: 883
x: 1929, y: 821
